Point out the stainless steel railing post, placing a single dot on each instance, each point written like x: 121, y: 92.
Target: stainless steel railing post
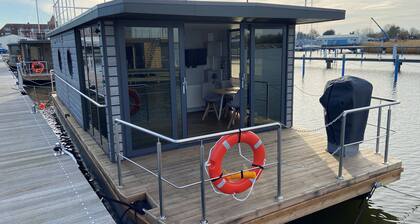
x: 119, y: 169
x: 388, y: 129
x: 159, y: 167
x: 202, y: 185
x: 279, y: 194
x: 378, y: 129
x: 267, y: 105
x: 342, y: 148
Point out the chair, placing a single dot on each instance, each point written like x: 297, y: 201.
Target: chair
x: 211, y: 100
x: 235, y: 106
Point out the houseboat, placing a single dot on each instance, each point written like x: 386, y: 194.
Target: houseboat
x: 146, y: 88
x: 14, y: 52
x: 35, y: 61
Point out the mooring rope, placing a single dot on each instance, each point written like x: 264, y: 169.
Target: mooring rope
x: 306, y: 93
x: 370, y: 194
x: 377, y: 185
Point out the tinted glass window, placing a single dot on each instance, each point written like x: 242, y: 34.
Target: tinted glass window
x: 69, y: 62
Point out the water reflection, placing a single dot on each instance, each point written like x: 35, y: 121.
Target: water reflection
x: 346, y: 213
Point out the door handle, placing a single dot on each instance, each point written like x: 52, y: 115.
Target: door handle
x: 243, y: 81
x: 184, y: 86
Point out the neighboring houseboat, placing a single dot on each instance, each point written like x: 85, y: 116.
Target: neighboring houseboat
x: 35, y: 60
x: 14, y: 54
x: 182, y: 69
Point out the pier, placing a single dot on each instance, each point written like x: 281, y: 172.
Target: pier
x: 38, y: 187
x: 397, y: 62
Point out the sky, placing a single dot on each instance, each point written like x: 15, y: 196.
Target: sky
x: 404, y: 13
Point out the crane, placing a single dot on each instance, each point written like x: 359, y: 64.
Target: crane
x: 386, y: 37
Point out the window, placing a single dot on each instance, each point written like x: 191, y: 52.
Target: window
x: 59, y: 60
x: 91, y: 50
x: 69, y: 63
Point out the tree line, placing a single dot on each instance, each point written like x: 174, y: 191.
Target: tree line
x: 393, y: 31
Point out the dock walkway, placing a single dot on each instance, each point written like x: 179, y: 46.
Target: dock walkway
x: 36, y: 186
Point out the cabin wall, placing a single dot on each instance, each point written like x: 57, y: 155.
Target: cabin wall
x: 60, y: 44
x: 290, y: 74
x: 113, y: 87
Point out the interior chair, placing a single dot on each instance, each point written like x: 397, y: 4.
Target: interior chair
x: 234, y: 106
x: 211, y: 99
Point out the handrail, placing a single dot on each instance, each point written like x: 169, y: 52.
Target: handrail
x: 197, y: 138
x: 346, y: 112
x: 384, y: 99
x: 202, y: 181
x: 343, y: 145
x: 80, y: 93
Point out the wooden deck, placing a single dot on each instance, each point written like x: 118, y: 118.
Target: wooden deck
x: 309, y: 173
x: 309, y: 179
x: 36, y: 186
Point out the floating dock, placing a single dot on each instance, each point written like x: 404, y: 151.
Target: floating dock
x: 38, y: 187
x: 309, y: 179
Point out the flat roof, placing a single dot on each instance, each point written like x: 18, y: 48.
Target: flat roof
x: 203, y: 11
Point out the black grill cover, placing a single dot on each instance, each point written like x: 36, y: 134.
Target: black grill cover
x: 342, y: 94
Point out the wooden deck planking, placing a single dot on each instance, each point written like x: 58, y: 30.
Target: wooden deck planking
x: 36, y: 186
x: 314, y: 170
x: 309, y: 176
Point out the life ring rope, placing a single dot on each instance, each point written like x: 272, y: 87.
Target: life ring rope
x: 233, y: 195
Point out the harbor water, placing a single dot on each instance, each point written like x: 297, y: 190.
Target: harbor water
x: 385, y: 206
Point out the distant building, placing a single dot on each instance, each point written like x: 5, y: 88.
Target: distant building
x: 26, y: 30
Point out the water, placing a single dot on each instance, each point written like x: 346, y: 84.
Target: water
x: 385, y: 206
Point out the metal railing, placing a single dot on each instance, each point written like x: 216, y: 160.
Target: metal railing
x: 201, y: 139
x: 67, y: 10
x: 27, y: 68
x: 202, y: 181
x: 342, y: 147
x: 78, y: 91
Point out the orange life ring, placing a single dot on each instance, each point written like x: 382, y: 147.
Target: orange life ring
x: 37, y: 67
x: 134, y: 101
x: 225, y: 143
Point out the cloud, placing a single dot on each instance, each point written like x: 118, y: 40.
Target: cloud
x: 358, y: 12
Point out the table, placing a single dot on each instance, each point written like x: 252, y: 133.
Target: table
x: 225, y: 91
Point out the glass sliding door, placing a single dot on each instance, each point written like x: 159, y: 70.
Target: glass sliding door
x: 267, y: 77
x: 149, y: 82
